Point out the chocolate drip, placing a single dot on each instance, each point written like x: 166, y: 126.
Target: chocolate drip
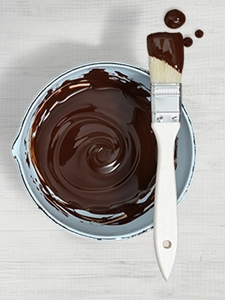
x: 93, y: 148
x: 188, y: 41
x: 174, y: 18
x: 167, y: 47
x: 199, y: 33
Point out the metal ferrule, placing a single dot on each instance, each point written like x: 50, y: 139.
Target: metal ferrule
x: 166, y: 102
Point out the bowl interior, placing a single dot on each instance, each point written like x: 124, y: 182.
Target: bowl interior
x: 184, y: 171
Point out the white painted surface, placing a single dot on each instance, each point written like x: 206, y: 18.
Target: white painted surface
x: 38, y: 259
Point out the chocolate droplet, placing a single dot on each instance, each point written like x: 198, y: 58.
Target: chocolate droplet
x: 199, y: 33
x: 188, y: 42
x: 174, y: 18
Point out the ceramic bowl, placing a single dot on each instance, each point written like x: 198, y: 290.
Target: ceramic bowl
x: 20, y: 150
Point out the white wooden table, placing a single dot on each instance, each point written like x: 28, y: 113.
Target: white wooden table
x: 40, y: 260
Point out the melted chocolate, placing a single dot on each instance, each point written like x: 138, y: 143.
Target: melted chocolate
x: 167, y: 47
x: 199, y: 33
x: 188, y: 42
x: 93, y: 148
x: 174, y: 18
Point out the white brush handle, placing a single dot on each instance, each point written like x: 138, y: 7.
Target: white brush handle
x: 165, y: 209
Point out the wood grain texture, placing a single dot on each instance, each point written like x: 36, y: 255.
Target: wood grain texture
x: 38, y: 259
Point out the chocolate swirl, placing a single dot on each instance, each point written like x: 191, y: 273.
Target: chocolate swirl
x: 93, y: 148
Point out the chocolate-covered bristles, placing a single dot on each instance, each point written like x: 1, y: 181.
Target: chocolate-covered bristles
x: 166, y: 57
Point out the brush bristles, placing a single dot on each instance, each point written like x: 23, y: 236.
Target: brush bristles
x: 162, y: 72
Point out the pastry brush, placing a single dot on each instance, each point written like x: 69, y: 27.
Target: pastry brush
x: 165, y: 65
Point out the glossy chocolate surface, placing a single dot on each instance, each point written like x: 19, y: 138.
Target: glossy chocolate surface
x: 92, y: 146
x: 167, y: 47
